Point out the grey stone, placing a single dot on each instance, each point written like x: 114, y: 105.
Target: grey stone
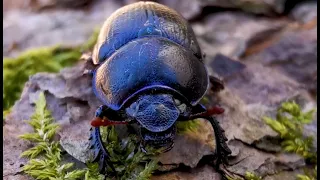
x: 187, y: 8
x: 192, y: 8
x: 262, y: 163
x: 199, y: 173
x: 26, y: 30
x: 295, y: 55
x: 225, y: 66
x: 229, y: 33
x: 305, y: 11
x: 190, y: 147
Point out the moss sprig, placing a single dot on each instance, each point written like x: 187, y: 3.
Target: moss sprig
x: 45, y: 157
x: 129, y: 161
x: 93, y: 172
x: 187, y: 126
x: 308, y: 175
x: 289, y: 124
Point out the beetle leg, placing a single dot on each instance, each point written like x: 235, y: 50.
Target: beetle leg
x: 102, y: 120
x: 216, y: 84
x: 222, y: 150
x: 100, y: 154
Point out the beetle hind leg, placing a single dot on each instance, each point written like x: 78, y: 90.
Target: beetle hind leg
x: 100, y: 154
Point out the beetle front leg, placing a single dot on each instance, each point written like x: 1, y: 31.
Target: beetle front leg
x: 222, y: 149
x: 101, y: 155
x: 103, y: 113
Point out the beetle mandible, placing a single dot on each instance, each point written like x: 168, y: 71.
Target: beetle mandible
x: 150, y: 71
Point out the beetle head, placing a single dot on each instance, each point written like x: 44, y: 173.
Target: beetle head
x: 156, y: 114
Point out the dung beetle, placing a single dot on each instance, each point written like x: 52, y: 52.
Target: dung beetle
x: 150, y: 71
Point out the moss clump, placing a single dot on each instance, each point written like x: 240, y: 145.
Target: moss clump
x: 251, y: 176
x: 16, y: 71
x: 289, y: 124
x: 125, y: 154
x: 45, y: 158
x: 247, y: 176
x: 93, y: 172
x: 185, y: 126
x: 308, y: 175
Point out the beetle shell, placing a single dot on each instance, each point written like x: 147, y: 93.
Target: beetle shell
x: 150, y: 63
x: 139, y: 20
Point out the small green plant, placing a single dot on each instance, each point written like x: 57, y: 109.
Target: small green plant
x: 93, y: 172
x: 247, y: 176
x: 185, y: 126
x: 251, y: 176
x: 289, y: 124
x: 129, y: 161
x: 308, y: 175
x: 45, y: 158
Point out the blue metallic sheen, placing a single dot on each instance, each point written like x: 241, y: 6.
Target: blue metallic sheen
x: 149, y: 63
x: 156, y: 112
x: 139, y: 20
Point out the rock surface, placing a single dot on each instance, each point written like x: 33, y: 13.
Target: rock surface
x: 25, y: 30
x: 192, y: 8
x: 263, y: 61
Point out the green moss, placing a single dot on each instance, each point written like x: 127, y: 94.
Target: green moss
x: 247, y: 176
x: 251, y: 176
x: 93, y: 172
x: 185, y: 126
x: 289, y: 124
x: 129, y: 161
x: 308, y: 175
x: 45, y: 158
x: 16, y: 71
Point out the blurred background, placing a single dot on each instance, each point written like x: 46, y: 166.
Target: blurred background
x: 265, y: 50
x: 233, y: 24
x: 272, y: 31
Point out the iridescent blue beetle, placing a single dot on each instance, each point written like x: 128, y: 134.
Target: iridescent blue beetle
x: 150, y: 71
